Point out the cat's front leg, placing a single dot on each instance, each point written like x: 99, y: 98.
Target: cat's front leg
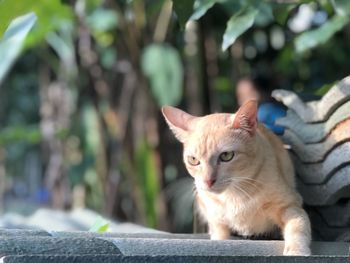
x: 296, y: 231
x: 219, y: 231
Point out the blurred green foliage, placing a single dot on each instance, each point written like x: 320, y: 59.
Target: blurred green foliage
x: 162, y: 65
x: 320, y: 35
x: 50, y: 13
x: 12, y: 41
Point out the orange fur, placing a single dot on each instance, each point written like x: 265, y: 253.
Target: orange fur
x: 252, y: 193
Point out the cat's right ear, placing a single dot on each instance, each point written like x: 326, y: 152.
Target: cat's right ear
x: 178, y: 121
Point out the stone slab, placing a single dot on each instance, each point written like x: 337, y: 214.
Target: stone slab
x: 21, y: 245
x: 156, y: 247
x: 171, y: 259
x: 85, y: 234
x: 22, y: 232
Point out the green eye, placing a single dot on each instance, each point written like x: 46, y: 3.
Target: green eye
x: 226, y: 156
x: 192, y: 160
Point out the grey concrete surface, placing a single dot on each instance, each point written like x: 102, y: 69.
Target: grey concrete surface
x: 197, y: 247
x: 169, y: 259
x: 30, y: 245
x: 40, y: 246
x: 160, y: 235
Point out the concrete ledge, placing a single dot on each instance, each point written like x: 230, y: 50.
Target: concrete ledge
x: 187, y: 247
x: 159, y: 235
x: 170, y: 259
x: 22, y: 232
x: 31, y: 246
x: 22, y: 245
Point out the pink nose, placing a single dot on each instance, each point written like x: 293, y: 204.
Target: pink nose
x: 210, y: 182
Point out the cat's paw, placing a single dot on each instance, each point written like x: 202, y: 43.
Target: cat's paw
x: 292, y: 250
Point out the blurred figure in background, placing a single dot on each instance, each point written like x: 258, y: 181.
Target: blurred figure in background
x: 269, y: 109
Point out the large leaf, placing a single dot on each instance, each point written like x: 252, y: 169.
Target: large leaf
x: 313, y: 38
x: 11, y: 44
x: 183, y: 10
x: 237, y: 25
x: 162, y: 65
x: 342, y: 7
x: 265, y: 15
x: 201, y: 7
x: 62, y: 42
x: 50, y: 14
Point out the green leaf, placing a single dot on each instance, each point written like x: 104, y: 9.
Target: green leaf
x: 50, y: 14
x: 201, y: 7
x: 341, y: 7
x: 265, y: 15
x: 148, y: 180
x: 183, y: 10
x: 102, y: 20
x: 63, y: 43
x: 323, y: 90
x: 313, y: 38
x: 100, y: 226
x: 162, y: 65
x: 12, y: 42
x: 237, y: 25
x: 281, y: 12
x: 15, y: 134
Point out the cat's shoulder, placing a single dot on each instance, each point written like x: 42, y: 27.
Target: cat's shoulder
x: 269, y: 136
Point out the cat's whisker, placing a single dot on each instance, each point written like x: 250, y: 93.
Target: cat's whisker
x: 256, y: 185
x: 251, y: 188
x: 241, y: 181
x: 242, y: 191
x: 249, y: 181
x: 223, y: 183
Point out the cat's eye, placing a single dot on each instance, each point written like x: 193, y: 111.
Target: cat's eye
x: 192, y: 160
x: 226, y: 156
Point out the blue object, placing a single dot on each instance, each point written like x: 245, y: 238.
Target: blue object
x: 268, y: 113
x: 42, y: 195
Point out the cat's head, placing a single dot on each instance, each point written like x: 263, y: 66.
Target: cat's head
x: 220, y: 148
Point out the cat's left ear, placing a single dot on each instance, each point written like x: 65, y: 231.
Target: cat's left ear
x: 246, y: 117
x: 178, y: 121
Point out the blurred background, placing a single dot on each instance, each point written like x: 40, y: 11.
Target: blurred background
x: 81, y: 87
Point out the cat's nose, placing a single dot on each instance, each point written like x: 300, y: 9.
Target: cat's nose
x: 210, y: 182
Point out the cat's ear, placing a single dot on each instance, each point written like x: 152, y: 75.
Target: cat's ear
x: 246, y: 117
x: 178, y: 121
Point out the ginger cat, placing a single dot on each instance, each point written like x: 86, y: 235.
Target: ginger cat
x: 243, y: 176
